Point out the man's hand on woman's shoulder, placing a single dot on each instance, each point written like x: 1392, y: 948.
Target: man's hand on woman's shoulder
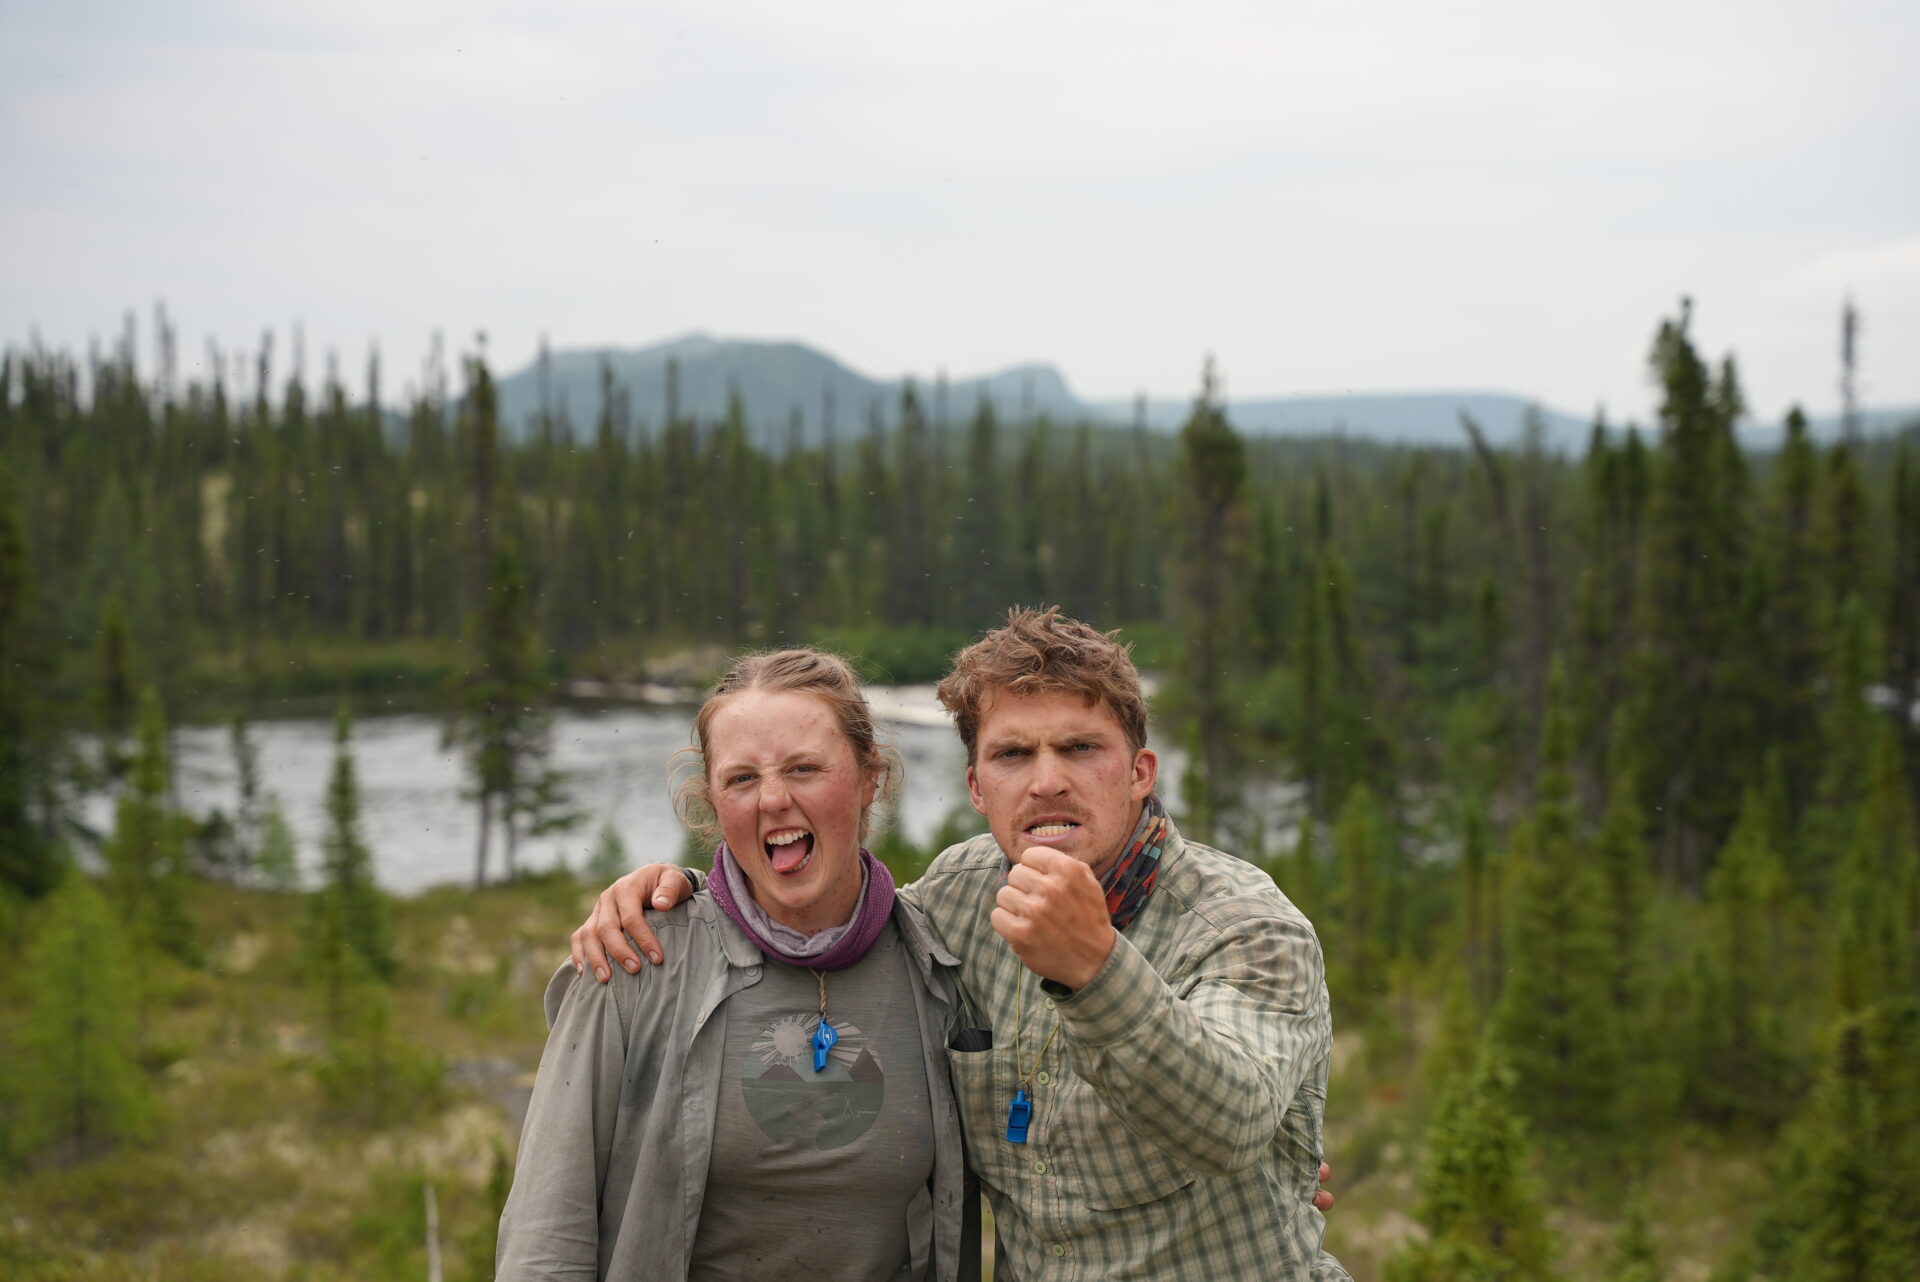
x: 620, y: 911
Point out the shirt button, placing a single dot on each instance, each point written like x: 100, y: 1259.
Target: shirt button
x: 753, y: 972
x: 1059, y: 1249
x: 1040, y: 1167
x: 1043, y: 1079
x: 1049, y: 1003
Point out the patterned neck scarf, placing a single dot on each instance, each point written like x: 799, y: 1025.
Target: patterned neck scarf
x: 1130, y: 881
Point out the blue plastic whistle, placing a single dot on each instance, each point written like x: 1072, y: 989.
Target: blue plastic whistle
x: 1019, y: 1114
x: 823, y: 1039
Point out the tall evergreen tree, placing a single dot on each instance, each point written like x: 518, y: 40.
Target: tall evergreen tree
x: 29, y: 862
x: 1902, y: 630
x: 115, y: 694
x: 352, y: 902
x: 1337, y: 743
x: 1875, y: 903
x: 1556, y: 1016
x: 1795, y: 624
x: 1742, y: 1062
x: 146, y: 854
x: 1212, y: 554
x: 1620, y: 848
x: 1480, y: 922
x: 505, y: 726
x: 1847, y: 1201
x: 1366, y: 869
x: 1478, y: 1203
x: 277, y: 862
x: 1841, y: 536
x: 1846, y: 738
x: 1691, y: 649
x: 80, y: 1088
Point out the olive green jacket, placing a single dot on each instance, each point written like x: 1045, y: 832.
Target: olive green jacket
x: 613, y: 1158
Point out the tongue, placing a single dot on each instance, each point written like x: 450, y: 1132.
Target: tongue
x: 790, y: 856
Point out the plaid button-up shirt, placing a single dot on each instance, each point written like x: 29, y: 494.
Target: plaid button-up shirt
x: 1176, y: 1127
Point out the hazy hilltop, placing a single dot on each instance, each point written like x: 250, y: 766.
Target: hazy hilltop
x: 775, y: 381
x: 781, y: 383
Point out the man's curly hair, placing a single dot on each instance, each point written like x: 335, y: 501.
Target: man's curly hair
x: 1039, y: 651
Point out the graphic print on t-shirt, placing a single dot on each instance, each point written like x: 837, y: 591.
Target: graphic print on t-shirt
x: 792, y: 1103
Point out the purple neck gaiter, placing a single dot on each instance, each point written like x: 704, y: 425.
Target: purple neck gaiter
x: 835, y: 948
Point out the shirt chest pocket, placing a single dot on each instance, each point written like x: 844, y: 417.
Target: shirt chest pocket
x: 1116, y: 1168
x: 983, y: 1089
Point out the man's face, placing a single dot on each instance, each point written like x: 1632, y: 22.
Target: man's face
x: 1052, y: 770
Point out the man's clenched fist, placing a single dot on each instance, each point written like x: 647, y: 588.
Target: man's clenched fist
x: 1054, y: 916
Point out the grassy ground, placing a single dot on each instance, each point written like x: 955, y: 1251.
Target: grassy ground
x: 1701, y: 1188
x: 254, y: 1174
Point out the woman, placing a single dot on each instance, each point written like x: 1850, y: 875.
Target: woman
x: 772, y: 1101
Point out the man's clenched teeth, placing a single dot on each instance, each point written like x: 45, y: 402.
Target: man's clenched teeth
x: 789, y: 849
x: 1051, y: 829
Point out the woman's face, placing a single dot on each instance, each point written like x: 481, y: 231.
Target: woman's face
x: 790, y: 798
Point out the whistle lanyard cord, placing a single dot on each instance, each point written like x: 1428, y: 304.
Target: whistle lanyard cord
x: 1019, y: 1024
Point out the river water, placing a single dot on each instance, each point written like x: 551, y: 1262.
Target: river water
x: 422, y: 831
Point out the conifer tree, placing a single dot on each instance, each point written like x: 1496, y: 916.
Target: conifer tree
x: 1478, y: 1203
x: 1795, y: 619
x: 506, y: 728
x: 1691, y: 649
x: 146, y: 854
x: 1841, y: 534
x: 115, y: 696
x: 1741, y: 1068
x: 1338, y: 742
x: 277, y: 863
x: 1902, y: 629
x: 354, y: 909
x: 1876, y: 901
x: 80, y: 1086
x: 1556, y: 1016
x: 1847, y: 1201
x: 1620, y: 848
x: 1212, y: 554
x: 1267, y: 590
x: 1449, y: 1057
x: 1363, y: 866
x: 1634, y: 1257
x: 373, y: 1074
x: 978, y: 543
x: 29, y: 863
x: 1480, y: 923
x: 1311, y: 663
x: 1845, y: 741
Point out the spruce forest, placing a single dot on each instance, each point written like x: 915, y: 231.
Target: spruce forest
x: 1598, y: 776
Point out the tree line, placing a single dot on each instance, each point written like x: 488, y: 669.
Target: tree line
x: 1611, y: 758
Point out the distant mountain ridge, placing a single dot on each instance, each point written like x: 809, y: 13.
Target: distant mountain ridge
x: 777, y: 381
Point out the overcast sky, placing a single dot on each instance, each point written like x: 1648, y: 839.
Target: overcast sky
x: 1365, y: 196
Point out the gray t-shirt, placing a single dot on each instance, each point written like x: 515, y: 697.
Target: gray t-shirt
x: 813, y: 1173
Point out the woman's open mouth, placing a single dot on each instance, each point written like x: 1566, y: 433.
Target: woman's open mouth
x: 789, y: 850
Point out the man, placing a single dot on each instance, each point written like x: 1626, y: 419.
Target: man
x: 1144, y: 1074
